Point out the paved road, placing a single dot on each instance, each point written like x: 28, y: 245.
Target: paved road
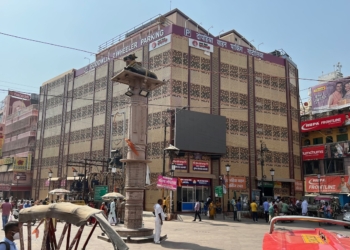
x: 205, y: 235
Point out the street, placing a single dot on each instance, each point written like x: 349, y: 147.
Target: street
x: 186, y: 234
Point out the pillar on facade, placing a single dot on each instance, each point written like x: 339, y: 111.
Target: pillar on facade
x: 136, y: 163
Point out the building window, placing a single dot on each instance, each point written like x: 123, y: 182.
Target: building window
x: 329, y: 139
x: 334, y: 166
x: 307, y: 142
x: 318, y: 140
x: 342, y: 137
x: 236, y: 39
x: 311, y: 167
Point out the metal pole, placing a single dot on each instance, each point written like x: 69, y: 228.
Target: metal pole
x: 228, y: 192
x: 262, y: 170
x: 111, y: 138
x: 273, y: 189
x: 17, y: 190
x: 223, y: 200
x: 164, y: 147
x: 84, y: 179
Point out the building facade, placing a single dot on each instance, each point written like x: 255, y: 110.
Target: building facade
x: 257, y: 93
x: 19, y: 117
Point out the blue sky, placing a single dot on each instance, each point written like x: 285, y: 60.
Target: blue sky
x: 314, y: 33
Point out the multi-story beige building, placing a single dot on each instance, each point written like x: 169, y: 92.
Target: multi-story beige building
x: 257, y: 93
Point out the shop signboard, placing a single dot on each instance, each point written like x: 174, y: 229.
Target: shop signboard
x: 22, y: 176
x: 313, y: 153
x: 327, y: 184
x: 19, y: 95
x: 20, y: 164
x: 6, y: 161
x: 29, y: 161
x: 323, y: 123
x: 298, y: 186
x: 200, y: 45
x: 63, y: 182
x: 200, y: 166
x: 180, y: 164
x: 267, y: 184
x: 218, y: 191
x: 167, y: 182
x: 5, y: 187
x: 236, y: 183
x: 331, y: 95
x: 160, y: 42
x: 99, y: 191
x: 190, y: 182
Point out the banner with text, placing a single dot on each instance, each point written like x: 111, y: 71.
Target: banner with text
x: 313, y: 153
x: 298, y: 186
x: 200, y: 45
x: 160, y: 42
x: 328, y: 184
x: 200, y: 165
x: 331, y: 95
x: 324, y: 123
x: 180, y: 164
x: 236, y: 183
x: 167, y: 182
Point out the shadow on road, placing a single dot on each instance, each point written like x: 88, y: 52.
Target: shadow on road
x: 185, y: 245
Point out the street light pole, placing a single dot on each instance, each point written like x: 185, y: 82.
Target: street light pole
x: 263, y: 149
x: 50, y: 176
x: 319, y: 183
x: 228, y: 167
x: 17, y: 177
x: 173, y: 167
x: 272, y: 172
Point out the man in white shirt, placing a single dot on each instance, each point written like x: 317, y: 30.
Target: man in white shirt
x: 112, y: 218
x: 197, y: 209
x: 304, y: 205
x: 158, y: 210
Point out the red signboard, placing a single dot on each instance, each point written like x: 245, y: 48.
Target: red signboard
x: 298, y: 186
x: 180, y: 164
x: 328, y: 184
x: 323, y: 123
x: 19, y: 95
x: 200, y: 166
x: 313, y: 153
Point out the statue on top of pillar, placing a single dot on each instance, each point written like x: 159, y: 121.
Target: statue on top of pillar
x: 136, y: 67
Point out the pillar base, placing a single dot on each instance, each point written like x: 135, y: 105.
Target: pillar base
x: 134, y: 236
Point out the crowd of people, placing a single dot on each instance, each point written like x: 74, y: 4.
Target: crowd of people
x: 114, y: 211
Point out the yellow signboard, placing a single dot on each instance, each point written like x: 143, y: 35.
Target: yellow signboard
x: 29, y: 161
x: 311, y: 238
x: 6, y: 161
x: 20, y: 164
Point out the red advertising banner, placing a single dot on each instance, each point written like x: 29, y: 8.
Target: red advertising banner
x: 167, y: 182
x: 19, y: 95
x: 236, y: 183
x: 200, y: 166
x: 180, y: 164
x: 328, y: 184
x: 298, y: 186
x: 323, y: 123
x: 313, y: 153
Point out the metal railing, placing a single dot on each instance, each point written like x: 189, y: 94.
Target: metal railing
x: 156, y: 19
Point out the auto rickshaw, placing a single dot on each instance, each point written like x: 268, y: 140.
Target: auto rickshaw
x: 72, y: 215
x: 318, y: 238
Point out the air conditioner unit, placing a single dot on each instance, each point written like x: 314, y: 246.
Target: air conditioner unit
x: 342, y: 130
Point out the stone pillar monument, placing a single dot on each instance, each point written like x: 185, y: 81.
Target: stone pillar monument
x: 140, y: 83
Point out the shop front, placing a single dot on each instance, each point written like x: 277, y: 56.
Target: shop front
x: 189, y: 190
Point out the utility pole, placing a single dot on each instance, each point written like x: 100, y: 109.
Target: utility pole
x: 84, y: 187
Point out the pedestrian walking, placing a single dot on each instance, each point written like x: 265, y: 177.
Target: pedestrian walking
x: 233, y: 203
x: 160, y: 217
x: 239, y: 209
x: 112, y: 218
x: 266, y: 207
x: 11, y: 234
x: 212, y: 210
x: 6, y: 212
x: 197, y: 210
x: 104, y: 208
x: 304, y: 205
x: 254, y: 210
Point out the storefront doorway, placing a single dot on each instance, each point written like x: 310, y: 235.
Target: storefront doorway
x: 192, y: 190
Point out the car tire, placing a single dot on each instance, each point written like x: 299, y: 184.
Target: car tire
x: 347, y: 227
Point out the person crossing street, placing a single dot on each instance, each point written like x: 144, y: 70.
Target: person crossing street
x: 197, y: 209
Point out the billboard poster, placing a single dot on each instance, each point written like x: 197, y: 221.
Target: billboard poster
x: 200, y: 166
x: 327, y: 184
x: 313, y: 153
x: 325, y: 123
x: 20, y: 164
x: 22, y: 176
x: 332, y: 95
x: 194, y: 182
x: 19, y: 95
x: 337, y: 150
x: 236, y: 183
x: 167, y: 182
x: 180, y: 164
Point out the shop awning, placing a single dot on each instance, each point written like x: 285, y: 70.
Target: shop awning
x: 70, y: 178
x: 275, y: 179
x: 54, y: 179
x: 14, y: 187
x: 194, y: 175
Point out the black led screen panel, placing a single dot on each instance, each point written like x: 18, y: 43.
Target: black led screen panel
x: 200, y: 132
